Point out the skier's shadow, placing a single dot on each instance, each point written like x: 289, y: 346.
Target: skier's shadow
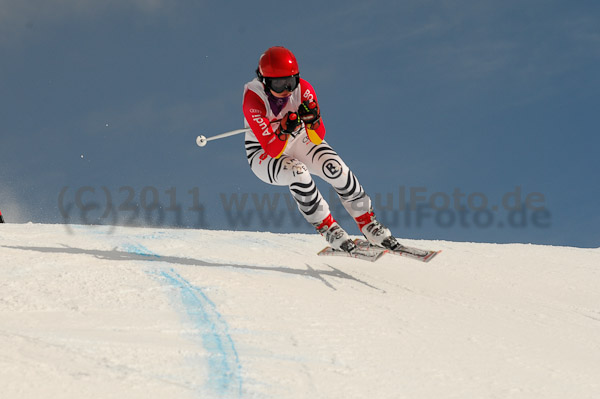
x: 119, y: 255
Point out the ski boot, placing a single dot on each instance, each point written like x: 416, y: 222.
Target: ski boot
x: 376, y: 233
x: 335, y: 235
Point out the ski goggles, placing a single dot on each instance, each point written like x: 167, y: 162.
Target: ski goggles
x: 279, y: 85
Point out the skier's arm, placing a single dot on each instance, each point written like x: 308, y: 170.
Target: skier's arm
x: 308, y: 93
x: 255, y: 113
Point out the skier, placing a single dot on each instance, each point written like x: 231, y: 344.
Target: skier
x: 286, y: 147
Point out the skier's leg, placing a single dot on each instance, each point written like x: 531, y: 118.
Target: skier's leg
x: 323, y: 161
x: 288, y: 171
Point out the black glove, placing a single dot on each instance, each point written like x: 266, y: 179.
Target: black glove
x: 309, y: 113
x: 290, y: 124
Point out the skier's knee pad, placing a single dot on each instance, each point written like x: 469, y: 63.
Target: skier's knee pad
x: 296, y: 171
x: 334, y: 170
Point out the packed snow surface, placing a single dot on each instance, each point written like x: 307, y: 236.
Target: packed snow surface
x: 105, y: 312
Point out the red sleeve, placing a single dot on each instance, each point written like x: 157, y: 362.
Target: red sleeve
x: 255, y: 113
x: 308, y: 93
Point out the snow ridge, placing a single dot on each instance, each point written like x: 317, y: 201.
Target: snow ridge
x: 100, y: 312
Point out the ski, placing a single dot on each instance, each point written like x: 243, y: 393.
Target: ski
x: 422, y: 255
x: 365, y: 251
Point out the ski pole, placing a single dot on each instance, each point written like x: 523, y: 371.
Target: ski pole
x: 202, y: 140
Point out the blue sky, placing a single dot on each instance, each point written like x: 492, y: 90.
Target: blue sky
x: 481, y: 97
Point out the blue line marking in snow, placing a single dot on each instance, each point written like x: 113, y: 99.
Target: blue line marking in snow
x: 223, y: 362
x: 139, y: 249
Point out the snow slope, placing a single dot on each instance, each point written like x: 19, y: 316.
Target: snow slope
x: 90, y: 312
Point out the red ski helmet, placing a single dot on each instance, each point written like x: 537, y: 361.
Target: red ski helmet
x: 277, y: 62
